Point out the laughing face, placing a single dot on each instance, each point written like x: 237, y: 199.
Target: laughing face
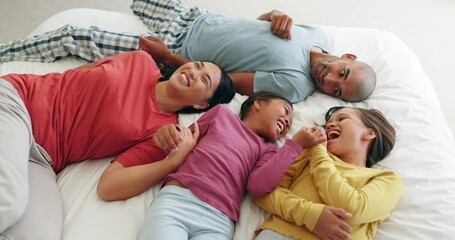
x: 346, y: 133
x: 274, y: 118
x: 194, y: 82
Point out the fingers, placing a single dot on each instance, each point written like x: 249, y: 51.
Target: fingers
x: 145, y: 41
x: 196, y: 131
x: 341, y: 213
x: 281, y: 26
x: 168, y: 137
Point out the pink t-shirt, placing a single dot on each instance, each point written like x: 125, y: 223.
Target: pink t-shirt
x: 104, y: 111
x: 230, y: 159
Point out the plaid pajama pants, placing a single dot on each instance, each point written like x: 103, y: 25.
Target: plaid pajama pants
x: 166, y: 19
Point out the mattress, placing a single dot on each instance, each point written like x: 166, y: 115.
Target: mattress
x: 424, y: 153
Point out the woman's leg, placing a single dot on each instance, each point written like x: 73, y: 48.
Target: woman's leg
x: 43, y: 217
x: 30, y: 205
x: 88, y: 43
x: 169, y: 20
x: 15, y: 140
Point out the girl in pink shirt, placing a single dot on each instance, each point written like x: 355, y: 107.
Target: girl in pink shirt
x: 201, y: 200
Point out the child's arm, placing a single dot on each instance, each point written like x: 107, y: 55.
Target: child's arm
x: 372, y: 202
x: 322, y: 220
x: 272, y: 165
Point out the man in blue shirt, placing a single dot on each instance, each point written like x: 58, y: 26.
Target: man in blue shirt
x: 269, y: 53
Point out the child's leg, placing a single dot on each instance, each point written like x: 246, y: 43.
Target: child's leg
x: 178, y: 214
x: 87, y: 43
x: 272, y: 235
x: 162, y: 220
x: 169, y: 20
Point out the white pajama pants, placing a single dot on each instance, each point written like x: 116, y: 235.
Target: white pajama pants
x: 30, y: 204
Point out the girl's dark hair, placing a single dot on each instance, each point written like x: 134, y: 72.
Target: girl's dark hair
x: 384, y: 141
x: 261, y: 95
x: 223, y: 93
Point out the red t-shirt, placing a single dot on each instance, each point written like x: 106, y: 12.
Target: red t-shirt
x: 104, y: 111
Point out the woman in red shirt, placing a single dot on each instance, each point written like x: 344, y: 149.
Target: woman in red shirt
x: 111, y: 107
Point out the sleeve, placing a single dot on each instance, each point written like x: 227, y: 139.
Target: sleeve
x: 271, y: 166
x: 289, y: 206
x: 280, y: 83
x: 372, y: 202
x: 142, y: 153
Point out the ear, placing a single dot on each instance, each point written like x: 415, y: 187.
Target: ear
x: 370, y: 134
x: 258, y: 104
x: 349, y: 56
x: 203, y: 105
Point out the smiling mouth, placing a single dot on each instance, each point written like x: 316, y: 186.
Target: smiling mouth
x: 321, y: 74
x: 333, y: 134
x: 184, y: 80
x: 280, y: 126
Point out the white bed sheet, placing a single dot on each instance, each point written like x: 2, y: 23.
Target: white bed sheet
x: 424, y: 154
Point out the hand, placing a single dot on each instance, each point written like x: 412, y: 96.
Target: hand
x: 171, y: 136
x: 281, y: 23
x: 310, y: 137
x: 332, y: 224
x: 155, y: 47
x: 188, y: 139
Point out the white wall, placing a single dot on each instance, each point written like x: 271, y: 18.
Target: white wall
x: 428, y: 27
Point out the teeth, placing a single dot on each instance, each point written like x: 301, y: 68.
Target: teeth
x: 185, y: 80
x: 333, y: 134
x: 280, y: 126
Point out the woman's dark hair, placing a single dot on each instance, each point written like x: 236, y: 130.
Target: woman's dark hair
x: 384, y: 141
x: 223, y: 93
x: 261, y: 95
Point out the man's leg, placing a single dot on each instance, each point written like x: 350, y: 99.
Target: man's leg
x: 169, y: 20
x: 87, y: 43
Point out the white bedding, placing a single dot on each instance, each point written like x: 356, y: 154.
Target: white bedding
x: 424, y: 154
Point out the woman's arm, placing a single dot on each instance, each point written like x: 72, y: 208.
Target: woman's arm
x: 371, y: 202
x: 118, y: 182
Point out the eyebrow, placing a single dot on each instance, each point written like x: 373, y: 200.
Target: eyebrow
x: 348, y: 71
x: 208, y: 75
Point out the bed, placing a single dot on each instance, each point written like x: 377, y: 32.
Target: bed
x: 424, y: 154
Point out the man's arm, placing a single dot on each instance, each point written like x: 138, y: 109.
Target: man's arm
x: 159, y: 51
x: 243, y: 82
x: 281, y: 23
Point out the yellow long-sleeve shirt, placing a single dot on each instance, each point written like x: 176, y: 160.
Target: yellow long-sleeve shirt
x: 318, y: 178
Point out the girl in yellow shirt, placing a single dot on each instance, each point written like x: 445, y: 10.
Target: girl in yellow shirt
x: 330, y: 191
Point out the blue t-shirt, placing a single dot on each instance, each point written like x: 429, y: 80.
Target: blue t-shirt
x: 242, y: 45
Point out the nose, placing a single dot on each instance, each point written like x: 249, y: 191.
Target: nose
x: 193, y: 74
x: 330, y: 78
x: 329, y: 125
